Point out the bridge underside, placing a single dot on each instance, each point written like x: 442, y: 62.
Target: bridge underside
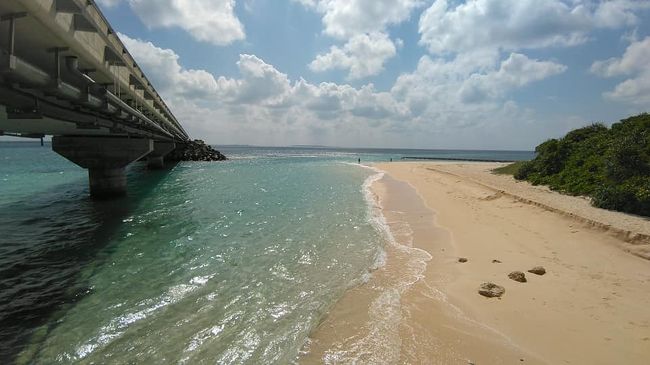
x: 64, y: 72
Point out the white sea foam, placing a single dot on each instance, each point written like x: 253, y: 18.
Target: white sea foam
x: 375, y: 215
x: 118, y: 325
x: 382, y: 342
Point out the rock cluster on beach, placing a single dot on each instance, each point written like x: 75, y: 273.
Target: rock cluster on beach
x: 491, y: 290
x: 538, y: 270
x: 518, y: 276
x: 195, y: 150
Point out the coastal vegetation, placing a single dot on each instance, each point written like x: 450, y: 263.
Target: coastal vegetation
x: 509, y: 169
x: 609, y: 165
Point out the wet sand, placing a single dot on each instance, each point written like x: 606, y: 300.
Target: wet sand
x: 422, y: 306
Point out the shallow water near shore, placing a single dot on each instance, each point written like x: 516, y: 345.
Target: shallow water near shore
x: 233, y: 262
x: 367, y: 324
x: 402, y: 313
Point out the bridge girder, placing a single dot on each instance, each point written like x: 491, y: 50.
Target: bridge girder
x: 105, y: 82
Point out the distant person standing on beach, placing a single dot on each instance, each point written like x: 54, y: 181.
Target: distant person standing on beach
x: 359, y: 160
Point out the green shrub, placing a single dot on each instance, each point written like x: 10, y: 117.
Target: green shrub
x: 610, y: 165
x: 614, y: 198
x: 524, y: 170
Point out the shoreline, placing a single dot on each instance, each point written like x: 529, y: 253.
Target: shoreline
x: 590, y: 306
x: 388, y: 318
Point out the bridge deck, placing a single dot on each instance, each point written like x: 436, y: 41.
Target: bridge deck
x: 64, y: 71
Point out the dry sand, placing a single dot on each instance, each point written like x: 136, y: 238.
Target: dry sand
x: 422, y: 307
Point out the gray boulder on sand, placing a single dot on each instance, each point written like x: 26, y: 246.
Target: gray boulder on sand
x: 491, y: 290
x: 539, y: 270
x: 518, y: 276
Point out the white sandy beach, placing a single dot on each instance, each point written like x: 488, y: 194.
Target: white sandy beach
x: 591, y: 307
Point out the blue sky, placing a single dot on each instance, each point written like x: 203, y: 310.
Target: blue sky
x: 479, y: 74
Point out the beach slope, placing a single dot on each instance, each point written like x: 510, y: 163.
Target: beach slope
x: 591, y: 306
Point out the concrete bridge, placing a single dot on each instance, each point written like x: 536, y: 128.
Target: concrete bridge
x: 64, y: 72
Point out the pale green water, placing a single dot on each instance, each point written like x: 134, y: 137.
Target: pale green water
x: 226, y: 263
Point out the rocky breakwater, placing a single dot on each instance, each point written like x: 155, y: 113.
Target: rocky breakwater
x: 195, y: 150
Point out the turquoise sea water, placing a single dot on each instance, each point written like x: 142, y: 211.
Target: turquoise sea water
x: 228, y: 263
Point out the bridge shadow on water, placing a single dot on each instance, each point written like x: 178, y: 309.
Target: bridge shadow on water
x: 46, y: 241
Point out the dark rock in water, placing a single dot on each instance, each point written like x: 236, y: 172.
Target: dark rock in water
x: 491, y: 290
x: 518, y: 276
x: 462, y: 259
x: 495, y: 261
x: 539, y: 270
x: 195, y: 150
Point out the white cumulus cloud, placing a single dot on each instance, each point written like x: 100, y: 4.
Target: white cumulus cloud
x: 508, y: 25
x: 262, y: 100
x: 635, y: 59
x: 516, y: 71
x: 260, y: 83
x: 363, y: 55
x: 618, y: 13
x: 346, y: 18
x: 166, y: 74
x: 425, y: 108
x: 362, y: 25
x: 211, y: 21
x: 456, y: 92
x: 633, y: 64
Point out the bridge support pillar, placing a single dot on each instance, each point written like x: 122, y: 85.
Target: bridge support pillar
x: 156, y: 159
x: 105, y: 158
x: 155, y: 162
